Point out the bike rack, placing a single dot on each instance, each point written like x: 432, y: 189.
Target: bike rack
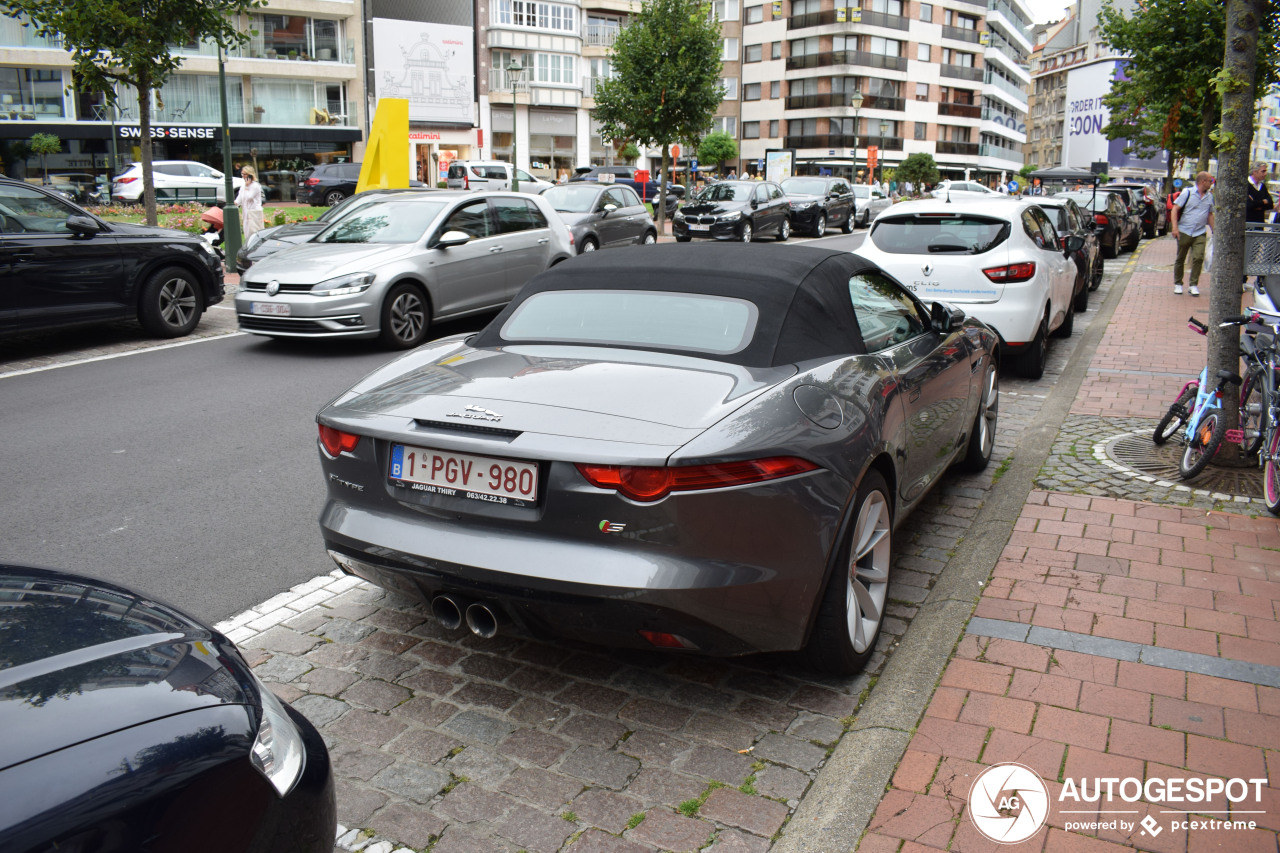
x: 1262, y: 249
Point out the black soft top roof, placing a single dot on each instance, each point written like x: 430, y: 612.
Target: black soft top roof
x: 802, y: 293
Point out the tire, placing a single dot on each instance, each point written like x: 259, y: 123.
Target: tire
x: 650, y: 238
x: 982, y: 437
x: 333, y: 197
x: 171, y: 304
x: 1068, y: 327
x: 852, y: 609
x: 784, y: 231
x: 683, y: 239
x: 1176, y: 418
x: 1271, y: 473
x: 588, y: 245
x: 1204, y: 444
x: 747, y: 233
x: 1110, y: 252
x: 1081, y: 303
x: 820, y: 227
x: 1253, y: 413
x: 1096, y: 279
x: 1031, y: 362
x: 405, y: 317
x: 846, y: 227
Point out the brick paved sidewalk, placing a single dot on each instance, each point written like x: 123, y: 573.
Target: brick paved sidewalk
x: 1115, y: 639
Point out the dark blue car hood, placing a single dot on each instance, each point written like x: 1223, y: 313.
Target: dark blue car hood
x: 81, y: 658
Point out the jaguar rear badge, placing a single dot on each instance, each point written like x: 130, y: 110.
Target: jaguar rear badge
x: 273, y: 287
x: 476, y: 413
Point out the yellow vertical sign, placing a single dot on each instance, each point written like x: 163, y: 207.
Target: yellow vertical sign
x: 386, y: 157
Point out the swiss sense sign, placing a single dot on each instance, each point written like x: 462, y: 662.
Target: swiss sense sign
x: 186, y: 131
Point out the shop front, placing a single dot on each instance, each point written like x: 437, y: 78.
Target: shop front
x: 431, y: 151
x: 552, y: 145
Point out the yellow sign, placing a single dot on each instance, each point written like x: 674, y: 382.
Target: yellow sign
x: 840, y: 16
x: 984, y: 38
x: 386, y: 157
x: 855, y: 15
x: 777, y: 8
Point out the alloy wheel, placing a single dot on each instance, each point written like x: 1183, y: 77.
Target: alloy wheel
x: 868, y: 585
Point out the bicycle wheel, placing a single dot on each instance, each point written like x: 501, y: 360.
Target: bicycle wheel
x: 1253, y: 413
x: 1208, y: 436
x: 1176, y: 418
x: 1271, y: 472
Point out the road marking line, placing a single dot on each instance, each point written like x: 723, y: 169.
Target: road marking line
x: 43, y: 368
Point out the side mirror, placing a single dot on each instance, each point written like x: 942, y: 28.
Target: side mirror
x: 452, y: 238
x: 754, y: 204
x: 81, y: 225
x: 945, y: 317
x: 609, y: 208
x: 1074, y: 242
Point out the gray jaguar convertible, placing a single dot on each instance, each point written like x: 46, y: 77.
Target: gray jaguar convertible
x: 699, y: 448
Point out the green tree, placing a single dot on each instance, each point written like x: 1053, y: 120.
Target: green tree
x: 45, y: 144
x: 1025, y: 172
x: 919, y: 169
x: 716, y: 148
x: 666, y: 83
x: 630, y: 152
x: 129, y: 42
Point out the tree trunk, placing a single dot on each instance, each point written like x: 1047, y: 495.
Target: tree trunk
x: 1207, y: 119
x: 144, y: 128
x: 1225, y: 298
x: 662, y: 191
x: 1168, y: 175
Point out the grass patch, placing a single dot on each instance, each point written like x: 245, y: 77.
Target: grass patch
x: 689, y: 808
x: 1005, y: 465
x: 636, y: 820
x: 572, y: 817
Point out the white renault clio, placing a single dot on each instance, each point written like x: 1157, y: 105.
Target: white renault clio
x: 1001, y: 260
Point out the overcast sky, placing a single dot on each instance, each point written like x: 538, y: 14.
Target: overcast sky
x: 1044, y: 11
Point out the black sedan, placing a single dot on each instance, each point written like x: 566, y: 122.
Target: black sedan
x: 1069, y: 219
x: 64, y: 266
x: 693, y: 448
x: 819, y: 203
x: 734, y: 210
x: 132, y: 727
x: 1116, y: 229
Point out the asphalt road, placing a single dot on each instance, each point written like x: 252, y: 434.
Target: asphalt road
x: 188, y: 473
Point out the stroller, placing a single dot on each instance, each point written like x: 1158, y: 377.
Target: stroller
x: 213, y: 232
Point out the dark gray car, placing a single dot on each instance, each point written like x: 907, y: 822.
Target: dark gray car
x: 602, y: 216
x: 696, y: 448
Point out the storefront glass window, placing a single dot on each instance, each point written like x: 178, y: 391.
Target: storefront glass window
x: 31, y: 93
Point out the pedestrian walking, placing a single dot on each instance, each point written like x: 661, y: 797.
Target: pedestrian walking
x: 1192, y: 220
x: 1258, y: 200
x: 249, y: 200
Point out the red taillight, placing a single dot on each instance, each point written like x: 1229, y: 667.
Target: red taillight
x: 466, y: 181
x: 312, y: 182
x: 1012, y: 272
x: 336, y: 441
x: 651, y: 483
x: 1100, y: 219
x: 667, y: 641
x: 125, y: 180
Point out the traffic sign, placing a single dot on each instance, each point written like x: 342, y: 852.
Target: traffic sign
x: 1177, y: 183
x: 675, y: 150
x: 873, y: 157
x: 693, y: 164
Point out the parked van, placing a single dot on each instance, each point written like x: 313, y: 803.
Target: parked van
x: 491, y: 175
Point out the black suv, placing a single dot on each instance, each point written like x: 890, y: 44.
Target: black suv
x: 63, y: 266
x: 329, y: 183
x: 819, y: 203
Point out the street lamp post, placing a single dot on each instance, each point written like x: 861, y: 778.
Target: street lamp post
x: 514, y: 70
x: 230, y: 213
x: 884, y: 128
x: 856, y: 101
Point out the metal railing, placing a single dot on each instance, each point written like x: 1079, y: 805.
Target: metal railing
x: 829, y: 100
x: 1002, y: 118
x: 500, y: 81
x: 833, y: 16
x: 1011, y: 16
x: 960, y: 34
x: 598, y: 36
x: 847, y: 141
x: 959, y: 110
x: 847, y: 57
x: 1013, y: 153
x: 1007, y: 85
x: 968, y: 149
x: 883, y: 19
x: 962, y: 72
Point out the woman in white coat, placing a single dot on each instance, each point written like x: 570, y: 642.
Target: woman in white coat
x: 249, y: 199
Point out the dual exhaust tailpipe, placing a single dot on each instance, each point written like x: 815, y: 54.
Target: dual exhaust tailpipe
x: 452, y: 612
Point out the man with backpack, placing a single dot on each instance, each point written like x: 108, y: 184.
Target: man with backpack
x: 1191, y: 221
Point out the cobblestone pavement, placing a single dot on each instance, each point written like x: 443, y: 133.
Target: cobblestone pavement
x: 441, y: 738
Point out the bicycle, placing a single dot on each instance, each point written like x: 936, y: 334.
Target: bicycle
x: 1205, y: 428
x: 1264, y: 327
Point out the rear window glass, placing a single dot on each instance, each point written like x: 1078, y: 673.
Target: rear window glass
x: 951, y: 234
x: 635, y: 318
x: 456, y: 170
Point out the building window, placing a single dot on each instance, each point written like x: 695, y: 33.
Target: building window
x: 730, y: 88
x: 538, y: 15
x: 773, y: 127
x: 725, y: 124
x: 926, y: 13
x: 922, y: 52
x: 730, y: 50
x: 555, y: 68
x: 885, y: 47
x: 777, y: 50
x: 725, y: 10
x: 775, y: 89
x: 755, y: 14
x: 751, y: 130
x: 922, y: 91
x: 887, y: 7
x: 753, y: 53
x: 921, y: 129
x: 751, y: 92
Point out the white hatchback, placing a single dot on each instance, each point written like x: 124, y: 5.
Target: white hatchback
x: 1002, y: 261
x: 968, y: 189
x: 175, y: 180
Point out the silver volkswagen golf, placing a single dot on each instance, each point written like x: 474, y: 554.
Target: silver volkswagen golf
x: 395, y: 267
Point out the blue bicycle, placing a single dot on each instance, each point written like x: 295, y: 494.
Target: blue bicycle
x: 1201, y: 421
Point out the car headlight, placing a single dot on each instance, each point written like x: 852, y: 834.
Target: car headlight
x: 254, y: 240
x: 729, y: 217
x: 802, y: 205
x: 344, y: 285
x: 278, y: 752
x: 679, y: 217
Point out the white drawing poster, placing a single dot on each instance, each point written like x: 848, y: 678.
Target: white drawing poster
x: 430, y: 65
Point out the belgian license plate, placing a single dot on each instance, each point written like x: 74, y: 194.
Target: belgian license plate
x: 478, y: 478
x: 277, y: 309
x: 699, y: 227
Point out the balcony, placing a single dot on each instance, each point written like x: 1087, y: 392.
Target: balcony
x: 960, y: 34
x: 844, y: 99
x: 1005, y: 85
x: 500, y: 81
x: 962, y: 72
x: 959, y: 110
x: 833, y: 16
x: 597, y: 36
x: 1000, y: 153
x: 882, y: 19
x: 965, y: 149
x: 846, y: 141
x: 847, y: 57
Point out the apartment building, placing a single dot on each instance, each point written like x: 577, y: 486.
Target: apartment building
x: 1266, y: 133
x: 828, y: 80
x: 295, y: 95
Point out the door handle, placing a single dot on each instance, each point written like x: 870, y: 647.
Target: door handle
x: 543, y: 240
x: 21, y: 255
x: 495, y: 249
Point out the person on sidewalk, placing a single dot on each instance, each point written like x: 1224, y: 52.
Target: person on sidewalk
x: 249, y: 199
x: 1259, y: 200
x: 1192, y: 219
